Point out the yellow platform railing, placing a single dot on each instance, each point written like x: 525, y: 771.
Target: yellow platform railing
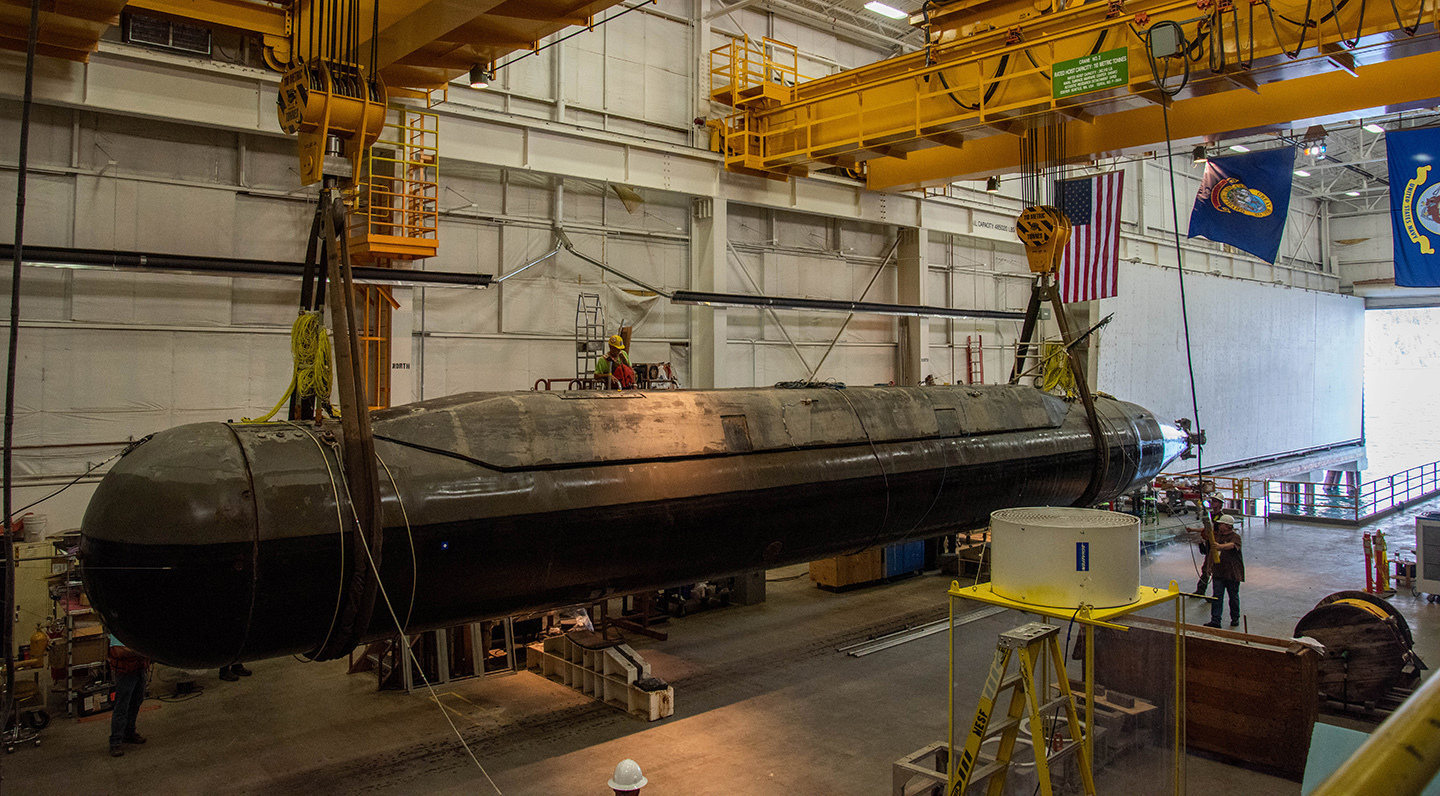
x: 397, y: 193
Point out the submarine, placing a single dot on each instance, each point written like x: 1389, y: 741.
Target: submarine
x: 215, y: 543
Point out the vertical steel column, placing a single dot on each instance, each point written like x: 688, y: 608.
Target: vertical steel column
x: 708, y: 326
x: 912, y: 287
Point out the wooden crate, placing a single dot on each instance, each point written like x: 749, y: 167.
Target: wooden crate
x: 1249, y: 698
x: 842, y: 571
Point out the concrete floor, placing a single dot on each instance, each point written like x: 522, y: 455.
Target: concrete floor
x: 764, y: 703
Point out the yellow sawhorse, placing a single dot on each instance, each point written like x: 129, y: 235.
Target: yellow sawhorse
x: 1032, y: 642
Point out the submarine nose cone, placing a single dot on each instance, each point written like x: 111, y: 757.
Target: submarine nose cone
x: 167, y: 547
x: 1176, y: 441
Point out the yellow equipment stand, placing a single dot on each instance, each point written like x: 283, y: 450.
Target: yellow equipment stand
x: 1033, y: 642
x: 1088, y: 617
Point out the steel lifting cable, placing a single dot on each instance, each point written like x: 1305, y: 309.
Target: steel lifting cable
x: 400, y: 628
x: 1184, y: 305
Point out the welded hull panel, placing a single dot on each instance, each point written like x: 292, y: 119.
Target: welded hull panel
x: 575, y: 499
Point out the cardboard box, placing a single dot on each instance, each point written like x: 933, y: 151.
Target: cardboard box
x: 92, y: 649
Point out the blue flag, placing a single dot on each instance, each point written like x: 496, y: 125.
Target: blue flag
x: 1243, y: 201
x: 1415, y: 205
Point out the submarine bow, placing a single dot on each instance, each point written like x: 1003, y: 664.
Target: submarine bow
x: 221, y: 542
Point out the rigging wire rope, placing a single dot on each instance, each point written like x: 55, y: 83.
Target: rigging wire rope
x: 400, y: 628
x: 1180, y: 268
x: 414, y: 578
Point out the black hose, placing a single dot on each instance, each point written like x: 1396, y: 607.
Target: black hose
x: 1155, y: 67
x: 1184, y: 307
x: 1304, y: 26
x: 989, y: 90
x: 7, y: 632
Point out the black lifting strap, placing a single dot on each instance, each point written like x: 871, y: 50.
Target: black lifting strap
x: 361, y: 478
x: 1044, y: 289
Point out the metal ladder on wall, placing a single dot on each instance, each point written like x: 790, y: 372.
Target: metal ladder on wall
x: 975, y: 359
x: 589, y: 334
x: 1033, y: 641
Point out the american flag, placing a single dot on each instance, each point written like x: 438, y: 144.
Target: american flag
x: 1090, y: 264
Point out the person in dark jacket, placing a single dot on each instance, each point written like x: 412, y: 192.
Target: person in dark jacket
x: 1227, y: 573
x: 128, y: 668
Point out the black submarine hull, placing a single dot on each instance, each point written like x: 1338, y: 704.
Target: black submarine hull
x: 214, y: 542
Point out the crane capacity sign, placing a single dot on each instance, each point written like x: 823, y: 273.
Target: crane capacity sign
x: 1110, y: 69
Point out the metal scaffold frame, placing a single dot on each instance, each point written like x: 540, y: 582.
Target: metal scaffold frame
x: 397, y: 194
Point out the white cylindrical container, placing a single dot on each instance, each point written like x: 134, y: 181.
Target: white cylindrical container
x: 34, y: 526
x: 1065, y: 557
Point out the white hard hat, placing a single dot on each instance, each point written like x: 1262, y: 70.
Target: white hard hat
x: 628, y: 776
x: 1224, y: 519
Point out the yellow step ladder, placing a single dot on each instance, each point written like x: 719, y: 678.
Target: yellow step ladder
x: 1032, y: 641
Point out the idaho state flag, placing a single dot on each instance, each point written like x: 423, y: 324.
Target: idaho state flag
x: 1243, y: 201
x: 1414, y: 157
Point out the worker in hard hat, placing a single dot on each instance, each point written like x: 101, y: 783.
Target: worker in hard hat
x: 614, y: 368
x: 1228, y: 572
x: 628, y: 779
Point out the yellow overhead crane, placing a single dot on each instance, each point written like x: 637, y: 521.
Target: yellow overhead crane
x: 955, y: 109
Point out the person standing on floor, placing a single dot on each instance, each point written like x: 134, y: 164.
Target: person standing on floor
x: 1215, y: 506
x: 1227, y: 573
x: 129, y: 669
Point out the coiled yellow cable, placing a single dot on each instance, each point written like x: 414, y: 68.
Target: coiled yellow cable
x: 1057, y: 374
x: 314, y: 372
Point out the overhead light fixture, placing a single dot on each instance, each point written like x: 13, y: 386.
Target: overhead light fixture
x: 886, y: 11
x: 992, y: 184
x: 1352, y: 193
x: 1374, y: 128
x: 1301, y: 173
x: 831, y: 305
x: 1239, y: 148
x: 1314, y: 141
x: 480, y: 77
x: 1199, y: 156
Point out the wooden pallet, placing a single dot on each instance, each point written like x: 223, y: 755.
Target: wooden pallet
x: 612, y: 673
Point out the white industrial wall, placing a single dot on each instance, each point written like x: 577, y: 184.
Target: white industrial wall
x: 1277, y: 369
x: 793, y: 254
x: 1363, y: 245
x: 160, y: 153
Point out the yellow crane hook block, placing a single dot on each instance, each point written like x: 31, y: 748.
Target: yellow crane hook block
x: 1044, y: 230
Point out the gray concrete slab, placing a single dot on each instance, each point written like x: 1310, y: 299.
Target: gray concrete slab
x: 764, y: 703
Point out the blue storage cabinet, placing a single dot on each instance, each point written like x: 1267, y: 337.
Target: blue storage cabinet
x: 904, y: 558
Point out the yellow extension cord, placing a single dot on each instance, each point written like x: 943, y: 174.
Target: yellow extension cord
x: 1056, y: 374
x: 314, y: 368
